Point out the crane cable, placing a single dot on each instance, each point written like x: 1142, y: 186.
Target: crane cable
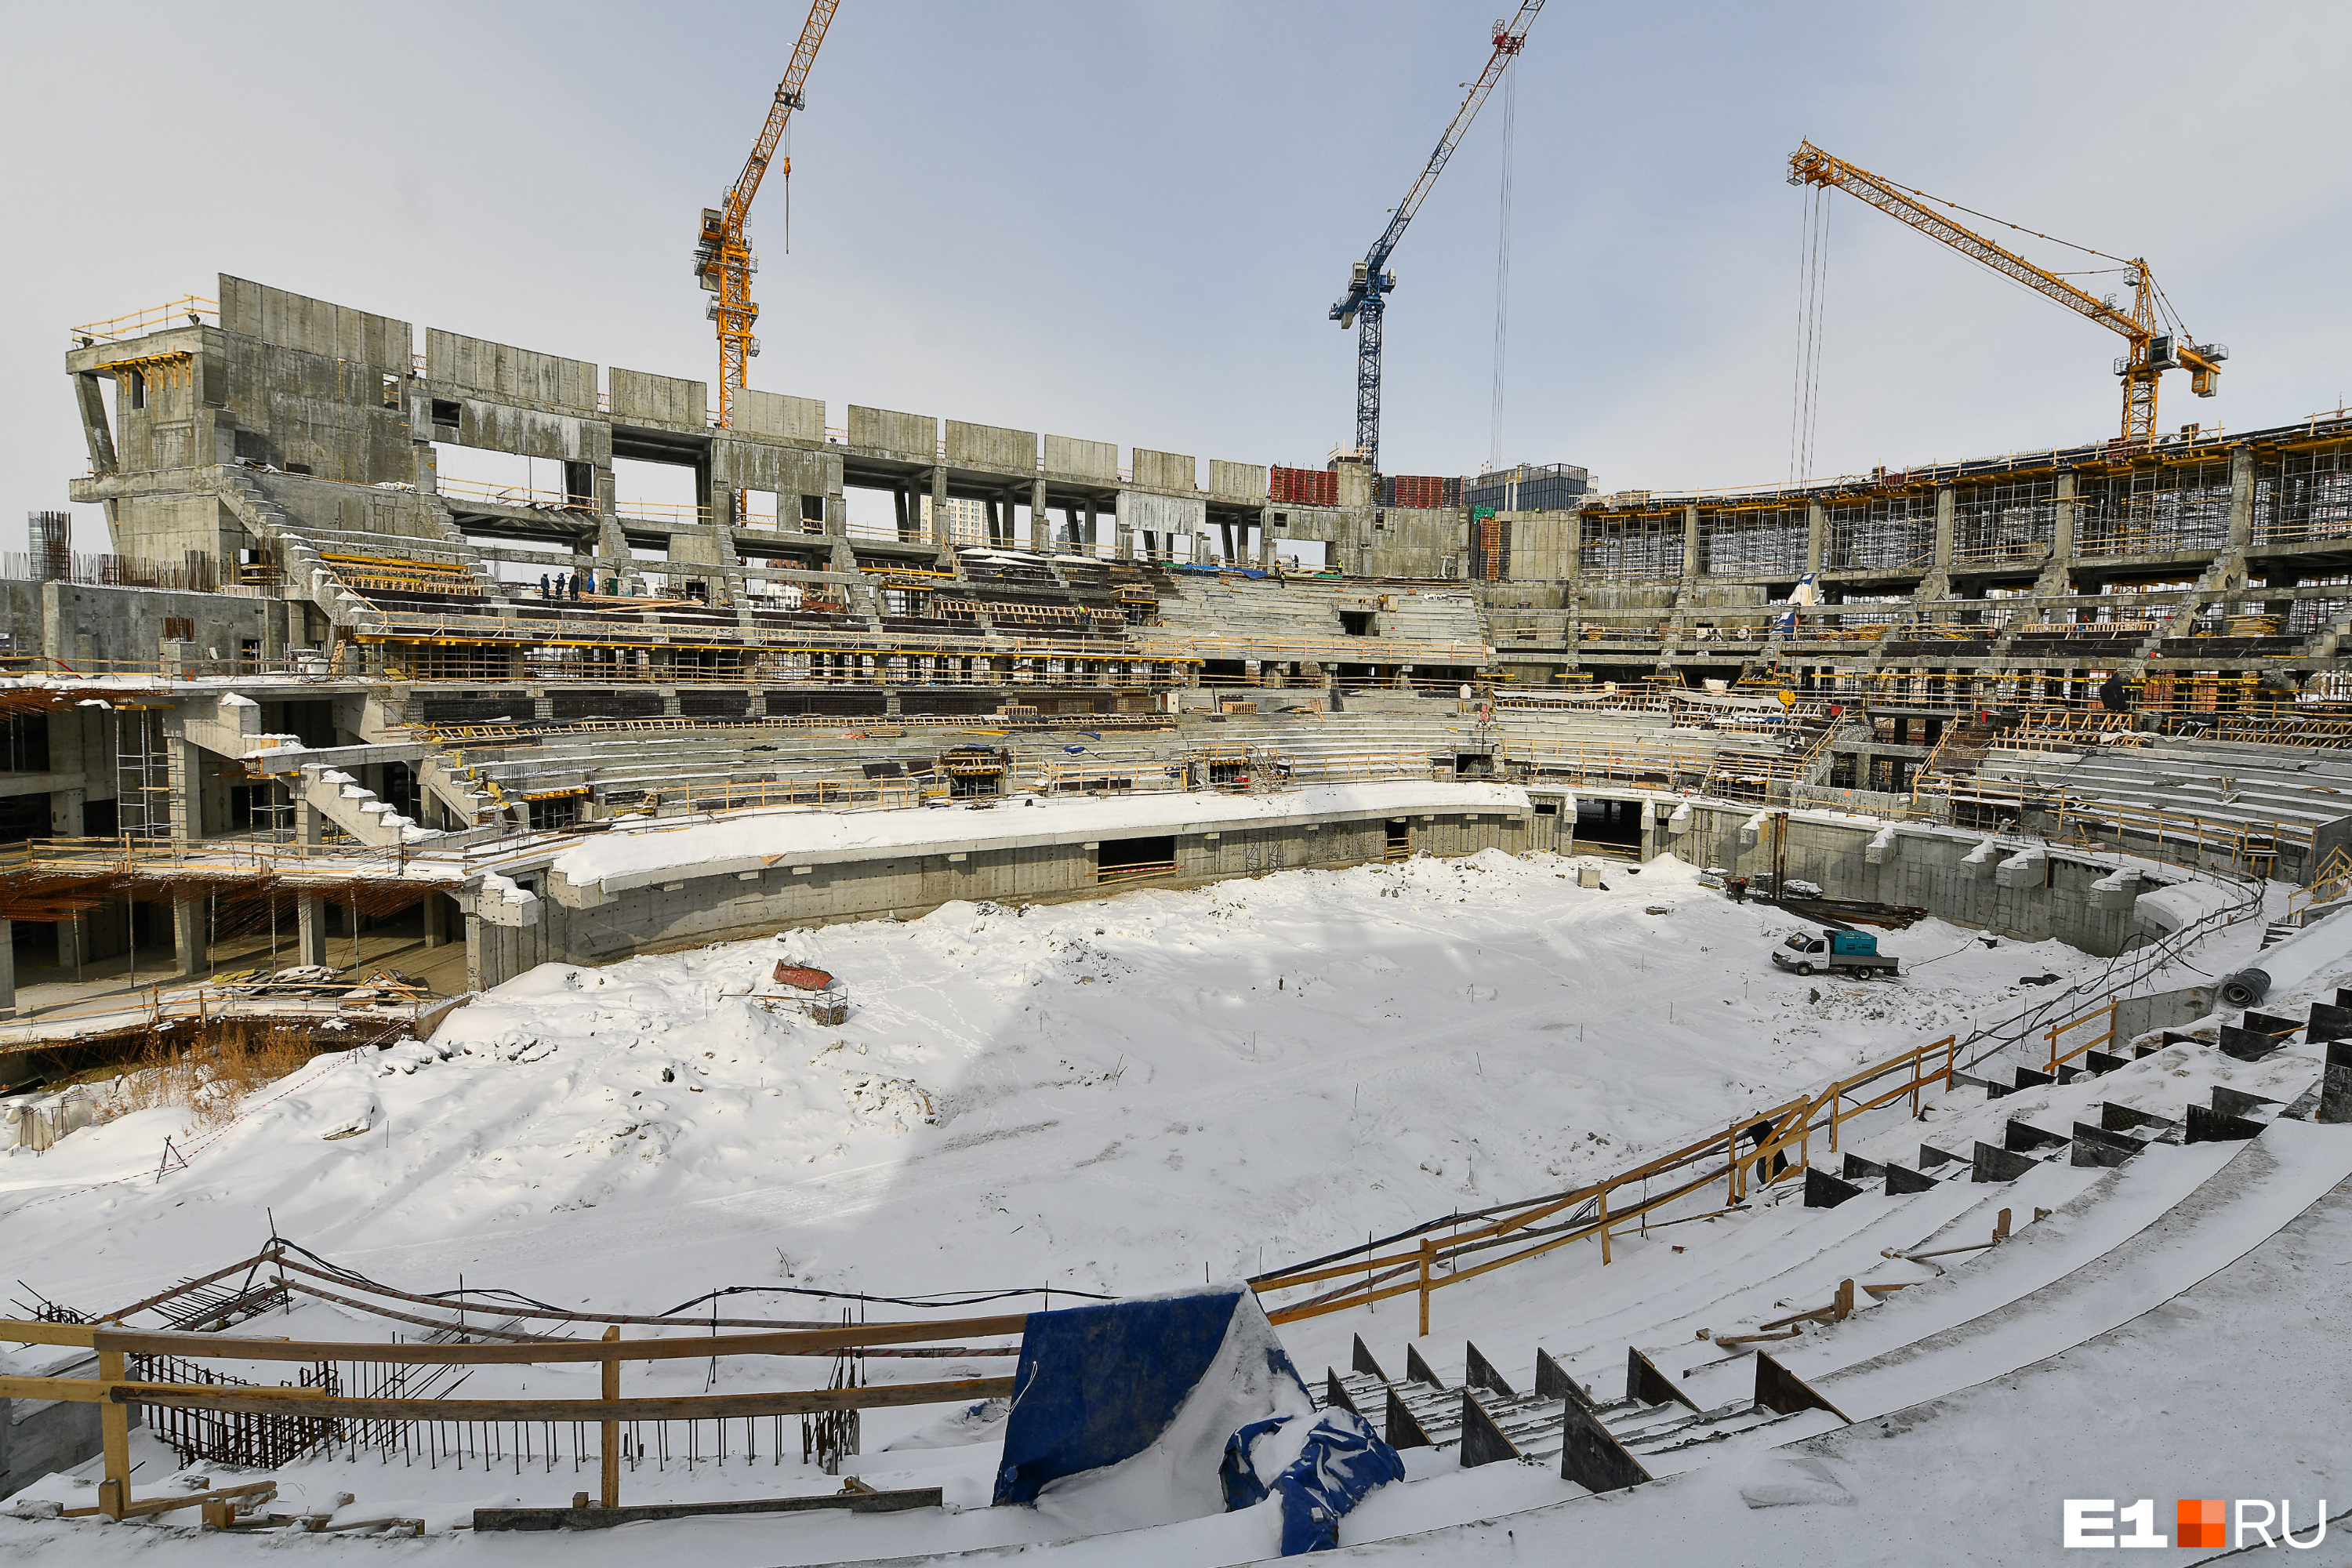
x: 1812, y: 281
x: 1502, y: 274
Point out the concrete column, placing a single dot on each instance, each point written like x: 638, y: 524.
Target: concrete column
x: 2241, y: 498
x: 310, y: 930
x: 309, y: 822
x: 1817, y: 534
x: 1947, y: 503
x: 939, y: 507
x: 188, y: 947
x: 1041, y: 525
x: 484, y: 961
x: 436, y: 920
x: 73, y: 942
x: 1690, y: 543
x: 183, y: 770
x: 2062, y: 530
x: 1265, y: 536
x: 8, y: 969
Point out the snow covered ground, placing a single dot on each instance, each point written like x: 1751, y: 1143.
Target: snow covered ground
x: 1113, y: 1097
x: 1238, y: 1076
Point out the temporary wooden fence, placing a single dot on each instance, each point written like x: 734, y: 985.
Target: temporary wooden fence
x: 1751, y: 1152
x: 2061, y: 1053
x: 115, y: 1392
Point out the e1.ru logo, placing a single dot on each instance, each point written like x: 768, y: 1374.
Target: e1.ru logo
x: 2197, y: 1522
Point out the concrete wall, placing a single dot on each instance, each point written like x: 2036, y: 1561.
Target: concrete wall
x: 640, y: 397
x: 512, y: 375
x: 774, y: 413
x: 908, y: 435
x: 1926, y: 870
x: 698, y: 910
x: 1163, y: 470
x: 1239, y: 481
x: 989, y: 446
x: 1097, y: 460
x: 313, y: 326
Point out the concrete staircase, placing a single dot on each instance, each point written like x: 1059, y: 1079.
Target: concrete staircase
x: 356, y: 809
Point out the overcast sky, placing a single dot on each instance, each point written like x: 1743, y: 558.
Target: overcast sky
x: 1125, y: 221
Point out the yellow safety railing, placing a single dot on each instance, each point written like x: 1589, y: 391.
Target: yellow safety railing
x: 187, y: 310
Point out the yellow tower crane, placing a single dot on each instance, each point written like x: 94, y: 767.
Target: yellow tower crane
x: 2158, y: 342
x: 724, y: 262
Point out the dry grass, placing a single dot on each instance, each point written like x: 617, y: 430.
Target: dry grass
x: 208, y: 1073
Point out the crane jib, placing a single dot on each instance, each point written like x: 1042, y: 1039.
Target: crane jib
x: 1362, y: 306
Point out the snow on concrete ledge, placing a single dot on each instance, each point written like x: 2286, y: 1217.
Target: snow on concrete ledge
x: 636, y: 857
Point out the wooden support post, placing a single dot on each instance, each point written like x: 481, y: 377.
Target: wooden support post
x: 1604, y: 1228
x: 1428, y: 1250
x: 611, y: 1495
x: 114, y: 1440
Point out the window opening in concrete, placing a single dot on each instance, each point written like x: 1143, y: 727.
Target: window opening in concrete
x: 446, y: 411
x: 656, y: 492
x: 1123, y: 860
x: 25, y: 743
x: 179, y: 629
x: 811, y: 514
x: 1396, y: 836
x: 135, y: 383
x: 1305, y: 554
x: 1609, y: 824
x: 391, y: 390
x: 1473, y: 764
x: 1357, y: 623
x: 23, y: 816
x: 562, y: 811
x: 759, y: 508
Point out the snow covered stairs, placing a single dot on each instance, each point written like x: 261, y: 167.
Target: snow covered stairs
x: 1482, y: 1418
x: 1600, y: 1445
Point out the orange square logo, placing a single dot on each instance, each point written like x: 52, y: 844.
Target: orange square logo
x: 2200, y: 1522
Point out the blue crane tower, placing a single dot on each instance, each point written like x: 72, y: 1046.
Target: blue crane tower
x: 1370, y: 281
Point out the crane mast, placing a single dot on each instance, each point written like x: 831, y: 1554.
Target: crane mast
x: 2158, y: 342
x: 1370, y: 280
x: 724, y: 262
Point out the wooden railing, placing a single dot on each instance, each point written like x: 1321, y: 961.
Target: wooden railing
x: 1752, y: 1152
x: 2056, y: 1035
x: 115, y: 1392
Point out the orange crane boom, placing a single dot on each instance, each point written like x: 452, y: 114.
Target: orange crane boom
x: 724, y: 262
x: 2158, y: 342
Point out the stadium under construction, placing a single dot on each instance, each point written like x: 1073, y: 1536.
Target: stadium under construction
x: 319, y: 705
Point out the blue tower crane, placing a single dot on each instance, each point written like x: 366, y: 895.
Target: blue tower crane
x: 1370, y: 281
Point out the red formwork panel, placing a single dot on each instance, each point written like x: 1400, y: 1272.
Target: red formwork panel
x: 1420, y: 491
x: 1305, y: 487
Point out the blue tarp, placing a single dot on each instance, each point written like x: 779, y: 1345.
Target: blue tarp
x: 1339, y: 1458
x: 1099, y: 1384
